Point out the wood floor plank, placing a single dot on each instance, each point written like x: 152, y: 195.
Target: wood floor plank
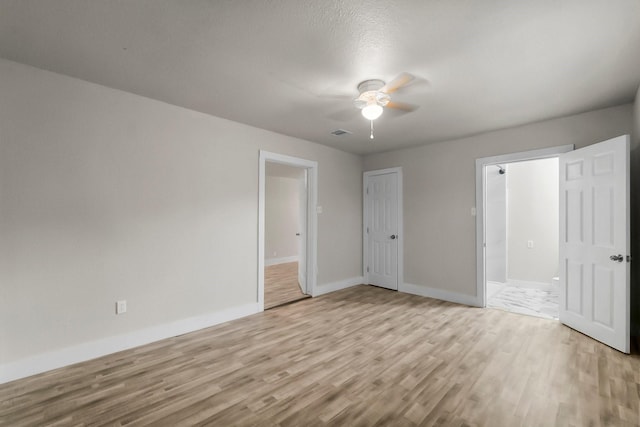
x: 281, y: 285
x: 363, y: 356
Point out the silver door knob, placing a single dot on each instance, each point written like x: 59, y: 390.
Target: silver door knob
x: 618, y: 258
x: 393, y: 236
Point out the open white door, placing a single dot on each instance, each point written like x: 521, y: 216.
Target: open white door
x: 594, y: 241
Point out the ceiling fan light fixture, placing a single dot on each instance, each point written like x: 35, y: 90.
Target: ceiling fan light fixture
x: 372, y: 111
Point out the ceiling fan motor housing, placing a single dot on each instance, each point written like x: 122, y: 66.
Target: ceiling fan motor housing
x: 370, y: 94
x: 370, y: 85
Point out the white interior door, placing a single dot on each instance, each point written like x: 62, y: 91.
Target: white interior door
x: 382, y: 229
x: 302, y: 233
x: 594, y: 241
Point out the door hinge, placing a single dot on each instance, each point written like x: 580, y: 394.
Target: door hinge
x: 367, y: 190
x: 367, y: 230
x: 628, y: 258
x: 367, y: 269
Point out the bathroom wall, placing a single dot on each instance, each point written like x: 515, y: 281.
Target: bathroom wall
x: 496, y: 225
x: 532, y: 217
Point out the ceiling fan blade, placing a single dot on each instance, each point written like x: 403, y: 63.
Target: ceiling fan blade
x: 402, y: 106
x: 402, y: 80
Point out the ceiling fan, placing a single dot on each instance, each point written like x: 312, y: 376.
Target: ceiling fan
x: 374, y: 97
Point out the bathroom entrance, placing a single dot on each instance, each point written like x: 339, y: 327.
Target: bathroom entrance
x: 593, y: 226
x: 521, y: 231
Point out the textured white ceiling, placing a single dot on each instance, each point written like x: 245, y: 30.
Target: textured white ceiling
x: 292, y: 66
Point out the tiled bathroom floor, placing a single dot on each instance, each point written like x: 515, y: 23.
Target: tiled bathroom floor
x: 540, y: 300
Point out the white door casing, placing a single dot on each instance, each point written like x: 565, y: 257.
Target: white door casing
x: 382, y: 227
x: 594, y: 241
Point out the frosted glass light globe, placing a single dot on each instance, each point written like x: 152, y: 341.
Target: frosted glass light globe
x: 372, y: 111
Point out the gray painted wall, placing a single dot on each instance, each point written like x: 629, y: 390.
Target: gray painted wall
x: 635, y: 218
x: 107, y: 195
x: 439, y: 190
x: 636, y: 118
x: 281, y: 217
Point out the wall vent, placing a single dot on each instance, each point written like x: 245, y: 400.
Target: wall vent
x: 339, y: 132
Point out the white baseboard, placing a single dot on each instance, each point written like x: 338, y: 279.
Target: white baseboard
x: 93, y: 349
x: 336, y: 286
x: 425, y: 291
x: 281, y: 260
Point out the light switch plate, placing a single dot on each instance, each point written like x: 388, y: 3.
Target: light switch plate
x: 121, y: 306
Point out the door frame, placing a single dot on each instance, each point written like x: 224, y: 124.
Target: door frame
x: 480, y: 209
x: 312, y: 217
x: 365, y: 221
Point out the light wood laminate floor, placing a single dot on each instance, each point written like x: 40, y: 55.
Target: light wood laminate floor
x: 281, y: 285
x: 363, y: 356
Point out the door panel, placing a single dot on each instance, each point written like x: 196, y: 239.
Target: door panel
x: 575, y: 211
x: 603, y: 202
x: 382, y: 205
x: 603, y: 296
x: 575, y: 286
x: 594, y: 227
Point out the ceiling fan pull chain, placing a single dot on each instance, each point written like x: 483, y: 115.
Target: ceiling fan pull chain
x: 371, y: 129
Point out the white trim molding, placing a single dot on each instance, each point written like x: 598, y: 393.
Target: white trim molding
x: 281, y: 260
x: 90, y: 350
x: 336, y: 286
x: 425, y: 291
x: 312, y: 217
x: 481, y: 164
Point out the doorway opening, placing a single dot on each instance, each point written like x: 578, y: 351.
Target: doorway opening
x: 518, y: 223
x: 287, y: 229
x: 285, y: 234
x: 594, y: 243
x: 521, y: 230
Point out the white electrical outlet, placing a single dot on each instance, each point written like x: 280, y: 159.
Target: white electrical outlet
x: 121, y: 306
x: 530, y: 244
